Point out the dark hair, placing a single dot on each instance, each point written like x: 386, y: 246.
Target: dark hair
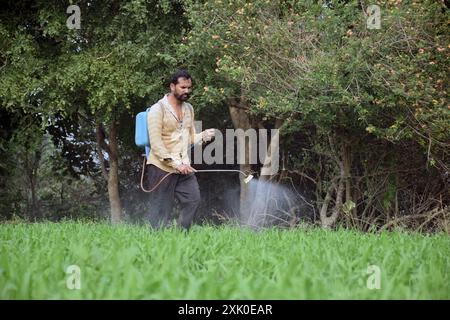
x: 179, y: 74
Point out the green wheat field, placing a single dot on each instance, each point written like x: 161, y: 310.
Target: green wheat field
x: 134, y: 262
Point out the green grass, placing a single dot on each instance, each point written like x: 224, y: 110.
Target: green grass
x: 132, y: 262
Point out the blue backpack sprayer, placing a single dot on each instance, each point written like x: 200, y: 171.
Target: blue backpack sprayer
x: 142, y: 139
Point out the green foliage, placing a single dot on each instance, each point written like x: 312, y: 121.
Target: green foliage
x: 34, y: 165
x: 310, y: 64
x: 335, y: 84
x: 118, y: 55
x: 113, y: 66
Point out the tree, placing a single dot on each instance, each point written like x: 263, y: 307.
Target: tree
x: 352, y: 93
x: 116, y: 59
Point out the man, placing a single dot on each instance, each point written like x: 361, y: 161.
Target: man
x: 171, y: 131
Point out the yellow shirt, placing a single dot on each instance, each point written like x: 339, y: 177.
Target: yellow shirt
x: 170, y: 138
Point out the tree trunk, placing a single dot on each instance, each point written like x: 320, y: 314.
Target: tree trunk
x: 31, y: 166
x: 112, y: 177
x: 324, y: 219
x: 347, y: 162
x: 34, y: 205
x: 272, y: 158
x: 329, y: 221
x: 241, y: 120
x: 264, y: 190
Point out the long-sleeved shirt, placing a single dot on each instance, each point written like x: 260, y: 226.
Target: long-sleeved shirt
x: 170, y: 138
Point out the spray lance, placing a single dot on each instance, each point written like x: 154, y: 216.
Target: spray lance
x: 246, y: 179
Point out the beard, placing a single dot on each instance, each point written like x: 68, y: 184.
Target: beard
x: 182, y: 97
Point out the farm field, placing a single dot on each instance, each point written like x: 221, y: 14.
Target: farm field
x: 134, y: 262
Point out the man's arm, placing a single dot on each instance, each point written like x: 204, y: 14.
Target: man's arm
x: 194, y: 137
x: 203, y: 136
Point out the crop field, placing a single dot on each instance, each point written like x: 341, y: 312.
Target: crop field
x: 74, y: 260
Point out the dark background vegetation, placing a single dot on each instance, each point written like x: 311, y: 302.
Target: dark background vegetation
x: 363, y: 113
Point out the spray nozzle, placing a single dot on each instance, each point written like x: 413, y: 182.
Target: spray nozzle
x: 249, y: 177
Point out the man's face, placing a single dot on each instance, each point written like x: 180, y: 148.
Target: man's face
x: 182, y: 90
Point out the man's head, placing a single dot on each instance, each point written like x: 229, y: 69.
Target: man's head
x: 181, y: 85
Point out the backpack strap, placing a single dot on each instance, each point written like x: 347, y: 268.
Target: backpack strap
x: 147, y: 152
x: 147, y: 149
x: 162, y: 109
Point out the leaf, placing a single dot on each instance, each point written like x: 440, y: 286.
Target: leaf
x: 348, y: 206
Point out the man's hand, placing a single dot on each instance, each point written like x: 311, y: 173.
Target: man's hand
x: 208, y: 134
x: 185, y: 169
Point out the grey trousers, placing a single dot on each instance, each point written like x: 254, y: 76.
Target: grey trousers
x: 182, y: 187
